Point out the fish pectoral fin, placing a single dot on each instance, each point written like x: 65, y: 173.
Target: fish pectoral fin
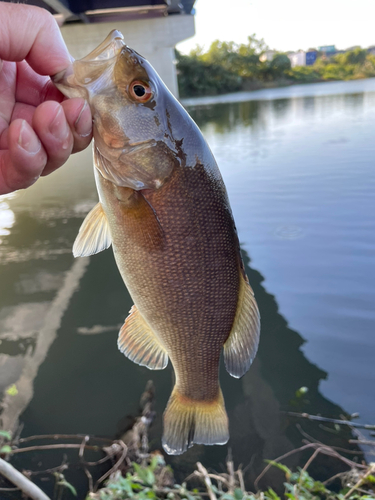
x: 139, y: 343
x: 242, y: 344
x: 94, y: 235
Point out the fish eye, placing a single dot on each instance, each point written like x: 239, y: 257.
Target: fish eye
x: 140, y: 91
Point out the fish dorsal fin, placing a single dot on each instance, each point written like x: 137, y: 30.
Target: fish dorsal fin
x: 242, y: 343
x: 94, y: 235
x: 139, y: 343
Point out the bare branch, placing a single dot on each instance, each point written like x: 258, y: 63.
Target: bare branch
x: 331, y: 420
x: 25, y: 485
x: 207, y: 481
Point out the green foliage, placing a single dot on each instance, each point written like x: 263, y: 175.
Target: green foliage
x: 142, y: 484
x: 301, y: 486
x: 356, y: 56
x: 6, y: 434
x: 199, y: 77
x: 12, y: 390
x: 64, y: 484
x: 279, y: 65
x: 5, y: 449
x: 229, y: 67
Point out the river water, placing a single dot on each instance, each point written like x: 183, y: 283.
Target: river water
x: 298, y: 164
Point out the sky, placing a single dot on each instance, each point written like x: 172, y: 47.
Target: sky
x: 284, y: 24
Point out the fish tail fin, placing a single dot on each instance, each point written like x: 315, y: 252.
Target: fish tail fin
x: 188, y: 421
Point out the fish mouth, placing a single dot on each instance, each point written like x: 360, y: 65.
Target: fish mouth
x: 108, y: 49
x: 84, y: 71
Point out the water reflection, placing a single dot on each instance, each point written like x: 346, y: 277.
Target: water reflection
x: 303, y: 203
x: 258, y: 427
x: 59, y: 326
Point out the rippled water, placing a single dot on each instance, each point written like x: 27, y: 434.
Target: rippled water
x: 299, y: 168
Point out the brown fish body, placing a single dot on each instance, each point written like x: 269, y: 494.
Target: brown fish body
x: 193, y: 289
x: 176, y: 247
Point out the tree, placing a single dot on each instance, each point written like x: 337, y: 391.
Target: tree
x: 356, y: 56
x: 279, y: 64
x: 199, y: 77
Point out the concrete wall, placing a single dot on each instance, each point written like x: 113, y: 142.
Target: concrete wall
x: 153, y: 38
x: 298, y: 59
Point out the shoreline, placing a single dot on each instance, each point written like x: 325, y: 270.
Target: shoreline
x: 286, y: 92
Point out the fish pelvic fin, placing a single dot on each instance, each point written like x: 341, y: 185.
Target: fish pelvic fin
x: 94, y: 235
x: 188, y: 422
x: 139, y: 343
x: 242, y: 344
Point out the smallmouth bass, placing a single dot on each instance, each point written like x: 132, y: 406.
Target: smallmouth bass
x: 164, y: 208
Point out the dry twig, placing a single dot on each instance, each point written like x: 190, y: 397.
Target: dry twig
x: 115, y: 467
x: 22, y: 482
x: 370, y: 471
x: 319, y: 448
x: 207, y: 481
x: 230, y: 467
x: 62, y: 436
x: 53, y: 447
x: 331, y: 420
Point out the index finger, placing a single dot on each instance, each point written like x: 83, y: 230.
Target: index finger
x: 31, y: 33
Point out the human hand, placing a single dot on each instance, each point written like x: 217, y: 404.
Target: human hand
x: 38, y: 128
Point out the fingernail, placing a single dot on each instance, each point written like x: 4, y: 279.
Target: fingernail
x: 83, y: 124
x: 28, y: 139
x: 59, y: 127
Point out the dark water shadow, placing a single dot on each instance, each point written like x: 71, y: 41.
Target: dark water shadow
x: 259, y: 428
x: 85, y: 385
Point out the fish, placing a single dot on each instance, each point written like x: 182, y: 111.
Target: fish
x: 164, y: 208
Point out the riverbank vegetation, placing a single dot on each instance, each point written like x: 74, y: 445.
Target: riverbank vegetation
x: 147, y: 477
x: 125, y: 468
x: 230, y: 67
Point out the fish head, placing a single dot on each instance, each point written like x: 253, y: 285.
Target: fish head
x: 136, y: 120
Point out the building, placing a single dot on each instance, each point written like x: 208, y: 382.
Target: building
x: 328, y: 50
x: 311, y: 56
x: 151, y: 27
x: 297, y: 58
x: 268, y: 55
x: 302, y: 58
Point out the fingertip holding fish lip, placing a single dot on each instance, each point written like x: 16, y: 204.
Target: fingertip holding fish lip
x: 62, y: 75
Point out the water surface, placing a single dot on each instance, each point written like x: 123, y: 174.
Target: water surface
x: 298, y: 164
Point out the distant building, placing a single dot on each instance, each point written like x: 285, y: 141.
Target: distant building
x: 268, y: 55
x: 328, y: 50
x: 297, y: 58
x: 311, y: 57
x: 302, y: 58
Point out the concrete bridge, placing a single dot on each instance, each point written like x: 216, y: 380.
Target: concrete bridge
x: 151, y: 27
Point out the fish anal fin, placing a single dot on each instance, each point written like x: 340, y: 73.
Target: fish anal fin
x: 139, y: 343
x: 241, y: 346
x: 188, y: 422
x: 94, y: 235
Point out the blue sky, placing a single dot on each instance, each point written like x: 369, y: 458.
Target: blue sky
x: 285, y: 24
